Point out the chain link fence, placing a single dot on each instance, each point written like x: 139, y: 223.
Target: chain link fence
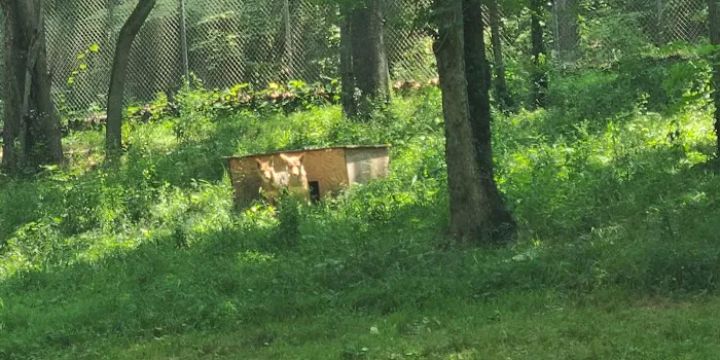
x: 220, y: 42
x: 608, y: 27
x: 674, y: 20
x: 225, y: 42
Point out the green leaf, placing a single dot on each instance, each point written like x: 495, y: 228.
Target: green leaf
x: 94, y: 48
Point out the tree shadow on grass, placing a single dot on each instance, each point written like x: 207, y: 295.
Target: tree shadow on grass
x: 357, y: 256
x: 238, y: 276
x: 76, y: 199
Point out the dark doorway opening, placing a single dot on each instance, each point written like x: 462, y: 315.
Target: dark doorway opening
x: 314, y: 190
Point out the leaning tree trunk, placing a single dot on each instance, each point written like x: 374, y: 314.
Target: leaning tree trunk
x: 714, y: 20
x: 370, y: 61
x: 31, y: 131
x: 347, y: 75
x: 539, y: 76
x: 469, y: 215
x: 501, y: 89
x: 567, y: 30
x: 499, y: 222
x: 113, y: 134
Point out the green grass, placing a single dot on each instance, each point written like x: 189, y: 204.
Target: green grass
x: 616, y: 257
x: 515, y: 326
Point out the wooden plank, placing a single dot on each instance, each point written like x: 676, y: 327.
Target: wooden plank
x: 330, y: 170
x: 365, y: 164
x: 309, y: 149
x: 327, y: 168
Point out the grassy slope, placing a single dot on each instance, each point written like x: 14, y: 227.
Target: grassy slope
x: 617, y: 256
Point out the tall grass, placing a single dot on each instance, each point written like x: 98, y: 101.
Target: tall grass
x: 154, y: 248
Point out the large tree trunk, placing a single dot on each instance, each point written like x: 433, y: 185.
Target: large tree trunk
x: 347, y: 75
x: 113, y: 134
x: 714, y: 21
x: 539, y: 77
x: 501, y: 89
x: 370, y: 62
x: 468, y: 215
x: 31, y: 131
x: 567, y: 31
x: 499, y: 222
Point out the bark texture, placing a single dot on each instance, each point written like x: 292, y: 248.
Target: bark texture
x: 539, y: 77
x: 502, y: 94
x: 347, y: 76
x: 113, y: 134
x: 369, y: 62
x: 31, y: 132
x: 499, y: 222
x: 468, y: 215
x: 714, y: 20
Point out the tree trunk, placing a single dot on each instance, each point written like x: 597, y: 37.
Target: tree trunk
x: 31, y: 131
x: 566, y: 25
x: 499, y: 222
x: 288, y: 43
x: 347, y: 75
x: 113, y: 134
x: 501, y: 89
x: 714, y: 21
x: 660, y: 28
x: 539, y: 77
x: 370, y: 62
x: 468, y: 216
x: 14, y: 78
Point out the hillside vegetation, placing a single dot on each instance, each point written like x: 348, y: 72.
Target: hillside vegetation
x: 617, y: 255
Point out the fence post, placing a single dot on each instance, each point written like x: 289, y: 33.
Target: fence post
x: 184, y: 42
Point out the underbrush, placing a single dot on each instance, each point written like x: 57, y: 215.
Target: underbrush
x: 154, y: 248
